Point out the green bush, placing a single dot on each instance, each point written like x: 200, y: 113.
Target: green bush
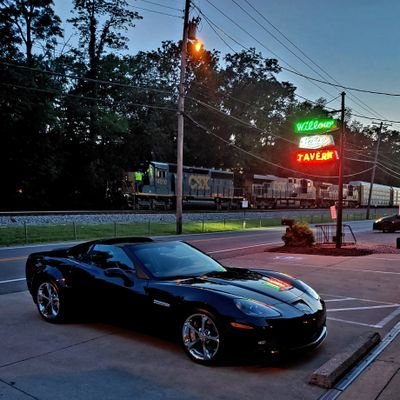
x: 299, y: 235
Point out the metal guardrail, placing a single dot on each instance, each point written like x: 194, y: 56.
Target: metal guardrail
x: 326, y: 234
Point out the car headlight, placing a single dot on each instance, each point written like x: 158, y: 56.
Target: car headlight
x: 255, y: 308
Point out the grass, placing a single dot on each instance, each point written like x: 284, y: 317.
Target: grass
x: 24, y: 234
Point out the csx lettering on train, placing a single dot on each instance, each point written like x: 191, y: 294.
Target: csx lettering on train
x: 199, y: 182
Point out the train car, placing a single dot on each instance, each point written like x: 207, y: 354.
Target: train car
x: 396, y: 196
x: 201, y: 186
x: 381, y: 196
x: 270, y: 191
x: 328, y: 195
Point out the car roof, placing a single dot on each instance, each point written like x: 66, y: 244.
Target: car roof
x: 123, y: 240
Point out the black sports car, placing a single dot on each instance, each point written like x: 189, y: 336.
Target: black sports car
x: 216, y: 308
x: 390, y: 223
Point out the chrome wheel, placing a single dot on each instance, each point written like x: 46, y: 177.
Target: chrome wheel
x: 201, y: 337
x: 48, y: 301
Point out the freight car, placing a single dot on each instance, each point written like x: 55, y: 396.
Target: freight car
x: 270, y: 191
x: 203, y: 187
x: 381, y: 196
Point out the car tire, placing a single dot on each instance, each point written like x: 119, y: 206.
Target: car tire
x: 202, y: 337
x: 50, y: 301
x: 387, y: 228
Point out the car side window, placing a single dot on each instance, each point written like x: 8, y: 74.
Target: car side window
x: 107, y: 256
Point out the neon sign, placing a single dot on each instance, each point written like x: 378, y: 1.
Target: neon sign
x: 312, y: 126
x: 316, y: 156
x: 316, y: 141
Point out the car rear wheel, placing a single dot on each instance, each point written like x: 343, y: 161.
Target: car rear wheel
x: 50, y: 302
x: 202, y: 337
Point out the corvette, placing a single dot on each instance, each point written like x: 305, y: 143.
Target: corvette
x: 217, y: 309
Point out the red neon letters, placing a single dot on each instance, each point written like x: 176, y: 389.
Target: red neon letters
x: 316, y: 156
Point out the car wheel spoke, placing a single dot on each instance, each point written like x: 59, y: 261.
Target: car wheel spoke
x: 48, y: 300
x: 201, y: 337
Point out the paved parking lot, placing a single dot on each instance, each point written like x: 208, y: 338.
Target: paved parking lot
x: 102, y: 361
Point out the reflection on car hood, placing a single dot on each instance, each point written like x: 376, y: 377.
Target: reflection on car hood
x: 387, y: 218
x: 250, y: 284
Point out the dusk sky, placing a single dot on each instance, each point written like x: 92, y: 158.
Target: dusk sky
x: 354, y: 43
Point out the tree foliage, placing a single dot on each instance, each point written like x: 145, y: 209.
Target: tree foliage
x: 71, y: 123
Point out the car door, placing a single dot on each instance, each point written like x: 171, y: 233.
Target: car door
x: 118, y: 288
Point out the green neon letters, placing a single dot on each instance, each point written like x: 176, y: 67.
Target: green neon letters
x: 315, y: 125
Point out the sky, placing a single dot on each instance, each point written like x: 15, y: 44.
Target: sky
x: 353, y: 43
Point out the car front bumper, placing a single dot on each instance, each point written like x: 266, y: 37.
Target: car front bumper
x: 283, y: 335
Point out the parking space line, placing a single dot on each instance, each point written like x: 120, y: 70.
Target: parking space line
x: 364, y: 308
x: 354, y: 322
x: 391, y: 316
x: 382, y: 305
x: 13, y: 258
x: 13, y: 280
x: 342, y: 299
x: 338, y: 298
x: 238, y: 248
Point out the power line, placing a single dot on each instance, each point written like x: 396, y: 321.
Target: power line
x: 263, y: 159
x: 155, y: 12
x: 161, y: 5
x: 255, y: 39
x: 343, y: 86
x: 80, y: 97
x: 367, y: 108
x: 75, y: 77
x: 303, y: 53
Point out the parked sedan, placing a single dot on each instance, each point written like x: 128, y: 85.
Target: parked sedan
x: 390, y: 223
x: 216, y: 308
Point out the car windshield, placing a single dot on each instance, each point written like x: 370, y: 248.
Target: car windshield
x: 174, y: 260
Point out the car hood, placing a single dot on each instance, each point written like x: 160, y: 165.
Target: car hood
x: 271, y: 288
x: 387, y: 218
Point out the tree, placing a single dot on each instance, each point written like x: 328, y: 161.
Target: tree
x: 26, y: 101
x: 29, y: 22
x: 92, y: 121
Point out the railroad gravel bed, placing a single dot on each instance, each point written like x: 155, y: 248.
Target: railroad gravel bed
x: 7, y: 219
x: 130, y: 218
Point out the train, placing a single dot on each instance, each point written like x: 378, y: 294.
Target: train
x: 219, y: 189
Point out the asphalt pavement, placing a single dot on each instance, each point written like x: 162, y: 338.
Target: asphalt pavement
x: 85, y: 361
x: 374, y: 372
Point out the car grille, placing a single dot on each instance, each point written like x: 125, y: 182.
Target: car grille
x: 297, y: 331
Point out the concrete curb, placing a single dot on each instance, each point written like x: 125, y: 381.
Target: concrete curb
x: 329, y: 373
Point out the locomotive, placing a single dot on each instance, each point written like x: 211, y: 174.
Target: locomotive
x: 215, y: 188
x: 201, y: 187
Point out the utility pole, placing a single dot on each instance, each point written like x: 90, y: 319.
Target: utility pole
x: 374, y: 169
x: 339, y: 213
x: 181, y: 123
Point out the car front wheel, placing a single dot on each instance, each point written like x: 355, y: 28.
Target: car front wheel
x: 202, y: 337
x: 50, y: 302
x: 387, y: 227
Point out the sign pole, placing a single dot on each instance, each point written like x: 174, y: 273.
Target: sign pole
x: 340, y: 183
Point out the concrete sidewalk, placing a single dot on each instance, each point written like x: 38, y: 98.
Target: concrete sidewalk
x: 381, y: 379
